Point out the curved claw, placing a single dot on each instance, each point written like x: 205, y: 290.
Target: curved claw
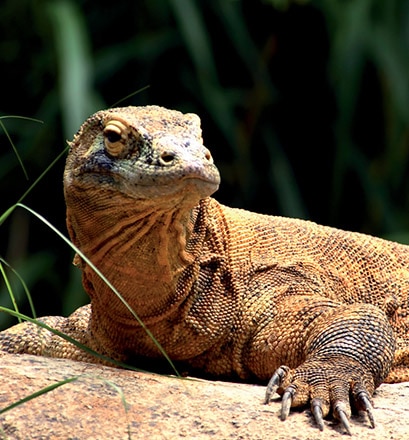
x: 366, y: 405
x: 275, y: 382
x: 343, y: 418
x: 286, y: 402
x: 316, y: 408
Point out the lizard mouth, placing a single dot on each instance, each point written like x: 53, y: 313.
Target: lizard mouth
x: 196, y: 186
x: 206, y: 186
x: 191, y: 182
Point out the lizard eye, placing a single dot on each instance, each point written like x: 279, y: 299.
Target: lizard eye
x: 115, y: 137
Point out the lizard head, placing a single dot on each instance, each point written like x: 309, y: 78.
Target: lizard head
x: 147, y: 153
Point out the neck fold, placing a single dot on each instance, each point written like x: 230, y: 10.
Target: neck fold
x: 146, y: 252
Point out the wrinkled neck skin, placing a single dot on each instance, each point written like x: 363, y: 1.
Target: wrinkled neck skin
x: 142, y: 249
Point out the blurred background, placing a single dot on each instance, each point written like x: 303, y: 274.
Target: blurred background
x: 304, y: 105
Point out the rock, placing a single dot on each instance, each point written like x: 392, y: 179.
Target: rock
x: 109, y: 403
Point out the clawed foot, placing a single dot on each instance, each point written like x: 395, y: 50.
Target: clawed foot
x: 325, y: 387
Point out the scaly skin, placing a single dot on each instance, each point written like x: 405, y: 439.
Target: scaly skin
x: 321, y: 312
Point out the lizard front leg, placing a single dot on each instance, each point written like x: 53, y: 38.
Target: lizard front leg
x: 334, y: 352
x: 29, y: 338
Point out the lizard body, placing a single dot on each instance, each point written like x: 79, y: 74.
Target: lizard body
x: 321, y: 312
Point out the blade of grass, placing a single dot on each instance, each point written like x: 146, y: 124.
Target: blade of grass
x: 9, y: 289
x: 121, y: 394
x: 26, y: 118
x: 7, y: 213
x: 43, y: 174
x: 38, y: 393
x: 11, y: 141
x: 119, y: 390
x: 142, y: 89
x: 26, y: 290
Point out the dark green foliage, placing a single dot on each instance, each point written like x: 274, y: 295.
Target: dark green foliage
x: 305, y: 106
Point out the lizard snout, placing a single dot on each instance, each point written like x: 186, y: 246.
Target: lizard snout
x: 171, y: 152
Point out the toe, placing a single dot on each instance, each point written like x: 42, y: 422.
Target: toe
x: 342, y: 413
x: 276, y: 382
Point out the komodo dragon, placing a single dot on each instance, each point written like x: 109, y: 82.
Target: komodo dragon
x: 321, y: 313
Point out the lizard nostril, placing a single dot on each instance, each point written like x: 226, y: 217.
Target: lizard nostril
x: 167, y: 158
x: 208, y: 156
